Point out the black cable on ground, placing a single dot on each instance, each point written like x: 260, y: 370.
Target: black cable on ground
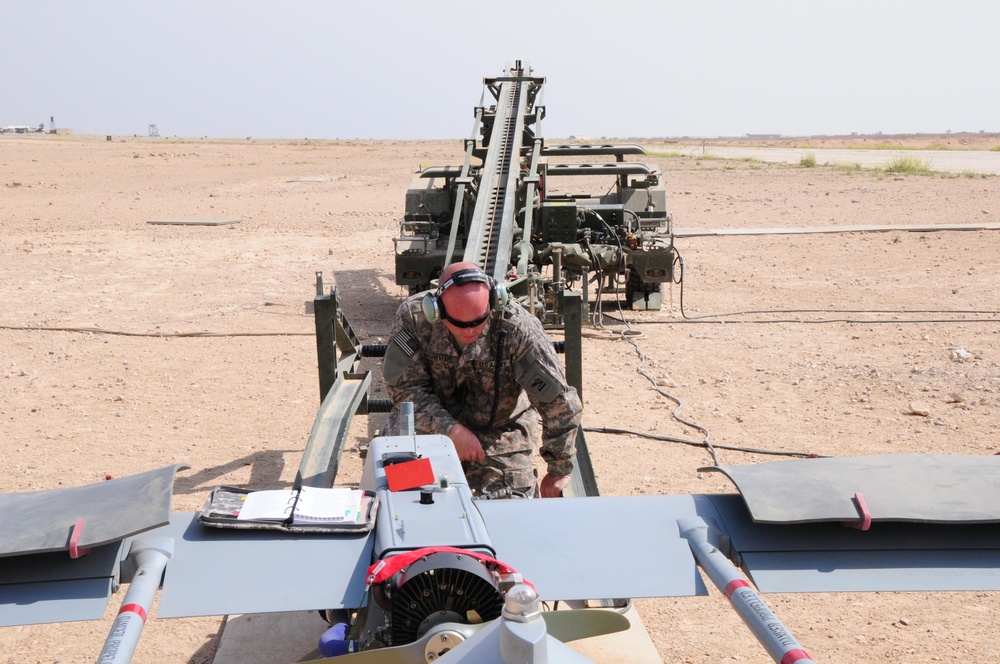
x: 629, y: 336
x: 707, y: 444
x: 703, y: 318
x: 801, y: 321
x: 98, y: 330
x: 695, y: 443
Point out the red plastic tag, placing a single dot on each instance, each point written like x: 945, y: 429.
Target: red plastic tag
x: 409, y: 474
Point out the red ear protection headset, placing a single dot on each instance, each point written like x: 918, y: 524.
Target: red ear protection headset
x: 433, y: 307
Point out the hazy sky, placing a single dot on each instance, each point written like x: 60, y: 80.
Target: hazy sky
x: 411, y: 69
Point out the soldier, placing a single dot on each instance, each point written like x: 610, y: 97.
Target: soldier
x: 482, y: 371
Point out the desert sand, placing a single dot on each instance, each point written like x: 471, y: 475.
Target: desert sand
x: 834, y: 344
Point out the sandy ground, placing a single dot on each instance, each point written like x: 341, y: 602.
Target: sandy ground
x: 838, y: 336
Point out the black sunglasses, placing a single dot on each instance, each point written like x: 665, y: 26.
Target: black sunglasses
x: 465, y: 324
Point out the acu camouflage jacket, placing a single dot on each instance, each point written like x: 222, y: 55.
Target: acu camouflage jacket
x: 446, y: 385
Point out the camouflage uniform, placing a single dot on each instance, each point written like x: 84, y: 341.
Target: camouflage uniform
x: 534, y: 405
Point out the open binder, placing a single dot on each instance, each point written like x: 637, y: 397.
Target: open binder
x: 287, y: 511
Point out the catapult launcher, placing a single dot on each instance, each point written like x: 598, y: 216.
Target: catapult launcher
x: 506, y: 209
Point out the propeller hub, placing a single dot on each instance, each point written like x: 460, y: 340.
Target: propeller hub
x: 440, y: 643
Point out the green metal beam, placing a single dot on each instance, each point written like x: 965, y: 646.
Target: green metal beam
x: 343, y: 390
x: 584, y: 482
x: 321, y: 458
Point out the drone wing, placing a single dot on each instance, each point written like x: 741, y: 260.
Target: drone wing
x: 61, y: 548
x: 876, y: 523
x: 607, y: 547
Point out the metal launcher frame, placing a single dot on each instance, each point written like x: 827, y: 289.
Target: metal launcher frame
x: 344, y: 390
x: 496, y: 210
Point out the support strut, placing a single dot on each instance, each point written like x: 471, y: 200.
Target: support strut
x: 751, y: 607
x: 150, y: 556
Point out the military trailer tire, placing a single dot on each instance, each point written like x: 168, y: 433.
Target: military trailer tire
x: 413, y: 289
x: 640, y: 295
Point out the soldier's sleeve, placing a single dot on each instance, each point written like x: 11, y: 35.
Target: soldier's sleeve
x: 406, y: 375
x: 540, y: 374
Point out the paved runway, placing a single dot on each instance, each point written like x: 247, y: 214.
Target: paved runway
x: 951, y: 161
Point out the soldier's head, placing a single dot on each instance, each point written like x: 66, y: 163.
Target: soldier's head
x: 465, y: 300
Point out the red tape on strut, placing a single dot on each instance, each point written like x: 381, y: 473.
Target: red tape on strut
x: 733, y: 586
x: 133, y: 608
x: 796, y: 655
x: 790, y: 657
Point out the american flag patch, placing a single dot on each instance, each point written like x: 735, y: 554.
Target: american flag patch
x: 406, y: 341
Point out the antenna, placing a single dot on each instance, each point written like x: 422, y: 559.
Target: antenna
x: 406, y: 423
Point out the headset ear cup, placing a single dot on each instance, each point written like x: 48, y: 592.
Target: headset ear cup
x: 499, y: 296
x: 431, y: 308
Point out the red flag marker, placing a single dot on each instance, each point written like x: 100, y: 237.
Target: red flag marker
x: 409, y: 474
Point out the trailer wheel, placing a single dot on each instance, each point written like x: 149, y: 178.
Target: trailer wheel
x: 413, y: 289
x: 640, y: 295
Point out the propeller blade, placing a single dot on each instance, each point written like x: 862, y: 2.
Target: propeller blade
x: 574, y: 624
x: 310, y: 656
x: 445, y: 635
x: 566, y: 626
x: 408, y: 654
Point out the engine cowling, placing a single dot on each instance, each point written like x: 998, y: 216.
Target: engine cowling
x: 440, y: 587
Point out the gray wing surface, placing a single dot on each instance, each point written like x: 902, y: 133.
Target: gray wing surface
x: 216, y: 571
x: 894, y: 487
x: 52, y: 587
x: 39, y: 580
x: 592, y: 548
x: 829, y: 556
x: 41, y: 521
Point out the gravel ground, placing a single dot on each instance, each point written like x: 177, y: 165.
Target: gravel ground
x: 830, y: 342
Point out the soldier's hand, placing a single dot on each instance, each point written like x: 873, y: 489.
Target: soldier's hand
x: 553, y: 485
x: 466, y: 443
